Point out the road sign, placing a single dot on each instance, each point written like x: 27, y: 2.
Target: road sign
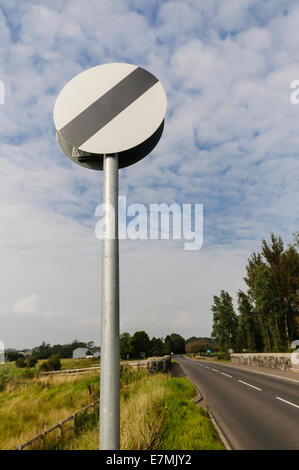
x: 107, y: 118
x: 108, y: 109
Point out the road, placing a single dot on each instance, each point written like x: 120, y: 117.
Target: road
x: 253, y: 411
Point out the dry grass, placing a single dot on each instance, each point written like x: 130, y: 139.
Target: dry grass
x: 156, y: 414
x: 29, y: 406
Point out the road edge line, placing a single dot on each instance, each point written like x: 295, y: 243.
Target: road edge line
x: 213, y: 420
x: 250, y: 370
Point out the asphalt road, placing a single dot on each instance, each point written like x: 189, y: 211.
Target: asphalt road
x: 253, y: 411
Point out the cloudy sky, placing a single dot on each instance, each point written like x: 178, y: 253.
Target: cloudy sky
x: 231, y: 143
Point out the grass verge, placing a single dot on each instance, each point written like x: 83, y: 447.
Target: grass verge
x: 156, y: 414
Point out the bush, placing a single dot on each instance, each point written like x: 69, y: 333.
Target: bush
x: 31, y: 361
x: 20, y: 362
x: 53, y: 363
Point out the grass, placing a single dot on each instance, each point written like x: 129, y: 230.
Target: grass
x: 209, y: 358
x: 30, y: 405
x: 157, y: 414
x: 156, y: 411
x: 78, y: 363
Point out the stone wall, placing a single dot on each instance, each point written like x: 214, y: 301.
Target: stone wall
x: 158, y: 364
x: 280, y: 361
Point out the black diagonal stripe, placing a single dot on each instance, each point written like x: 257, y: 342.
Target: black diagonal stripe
x: 107, y: 107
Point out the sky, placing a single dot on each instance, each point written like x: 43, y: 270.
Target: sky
x: 230, y: 143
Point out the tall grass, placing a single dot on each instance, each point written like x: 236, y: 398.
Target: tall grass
x: 29, y: 406
x: 156, y: 413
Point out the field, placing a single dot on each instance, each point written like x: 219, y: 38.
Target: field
x: 156, y: 413
x: 156, y: 410
x: 30, y: 405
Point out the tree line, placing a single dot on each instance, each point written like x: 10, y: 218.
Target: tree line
x: 140, y: 345
x: 45, y: 350
x: 268, y: 311
x: 132, y: 347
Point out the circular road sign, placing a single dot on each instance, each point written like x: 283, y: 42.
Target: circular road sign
x: 113, y: 108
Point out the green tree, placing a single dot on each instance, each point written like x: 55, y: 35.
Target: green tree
x: 43, y: 351
x: 248, y: 336
x: 178, y: 343
x: 157, y: 347
x: 141, y: 344
x: 272, y: 279
x: 126, y: 347
x: 167, y: 345
x: 225, y: 321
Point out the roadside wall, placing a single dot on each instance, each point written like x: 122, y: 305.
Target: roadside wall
x: 280, y: 361
x: 158, y: 364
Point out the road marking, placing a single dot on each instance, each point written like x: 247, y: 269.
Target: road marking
x: 258, y: 372
x: 249, y: 385
x: 215, y: 370
x: 206, y: 367
x: 227, y: 375
x: 288, y: 402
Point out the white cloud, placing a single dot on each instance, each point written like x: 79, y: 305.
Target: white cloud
x: 230, y: 142
x: 26, y: 304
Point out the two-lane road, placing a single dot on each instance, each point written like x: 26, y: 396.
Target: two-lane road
x: 254, y: 411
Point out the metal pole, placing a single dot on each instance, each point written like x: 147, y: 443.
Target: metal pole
x: 109, y: 377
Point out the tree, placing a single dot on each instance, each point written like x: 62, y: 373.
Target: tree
x: 43, y: 351
x: 90, y: 346
x: 224, y: 321
x: 167, y: 345
x: 141, y: 344
x: 178, y: 343
x: 11, y: 356
x: 126, y: 347
x: 248, y: 336
x: 272, y: 279
x: 157, y: 347
x: 200, y: 345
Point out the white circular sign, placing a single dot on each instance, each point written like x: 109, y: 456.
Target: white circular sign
x: 110, y: 108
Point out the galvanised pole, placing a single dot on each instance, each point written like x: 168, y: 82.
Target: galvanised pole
x: 110, y: 367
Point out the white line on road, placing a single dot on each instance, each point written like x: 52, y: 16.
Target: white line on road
x: 226, y: 375
x: 215, y: 370
x: 249, y: 385
x: 288, y: 402
x: 206, y: 367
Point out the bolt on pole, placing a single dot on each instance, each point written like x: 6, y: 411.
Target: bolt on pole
x: 110, y: 367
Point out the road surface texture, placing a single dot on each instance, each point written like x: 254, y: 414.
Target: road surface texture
x: 254, y: 411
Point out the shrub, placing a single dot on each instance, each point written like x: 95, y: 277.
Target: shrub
x: 20, y: 362
x: 31, y: 361
x: 53, y: 363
